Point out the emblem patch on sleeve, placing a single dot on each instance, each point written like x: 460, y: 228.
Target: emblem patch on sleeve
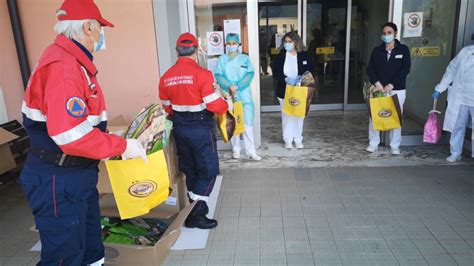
x: 76, y: 107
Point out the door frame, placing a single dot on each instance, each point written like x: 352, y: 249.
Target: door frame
x: 302, y: 27
x: 188, y: 9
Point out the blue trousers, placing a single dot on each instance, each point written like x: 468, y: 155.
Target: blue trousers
x: 198, y: 160
x: 65, y: 205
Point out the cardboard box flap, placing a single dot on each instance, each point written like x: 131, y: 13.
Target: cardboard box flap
x: 118, y: 121
x: 121, y: 254
x: 178, y: 221
x: 6, y: 136
x: 118, y: 125
x: 103, y: 184
x: 108, y: 207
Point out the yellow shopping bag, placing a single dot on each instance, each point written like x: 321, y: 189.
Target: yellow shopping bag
x: 295, y: 100
x: 139, y: 186
x: 385, y: 113
x: 226, y: 125
x: 238, y: 113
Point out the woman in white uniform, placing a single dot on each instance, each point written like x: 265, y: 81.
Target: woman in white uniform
x: 292, y: 62
x: 459, y: 81
x: 388, y: 68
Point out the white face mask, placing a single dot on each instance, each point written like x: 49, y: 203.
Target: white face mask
x: 232, y: 48
x: 289, y: 46
x: 99, y: 45
x: 388, y: 38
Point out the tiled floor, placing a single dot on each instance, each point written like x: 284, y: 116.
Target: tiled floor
x: 342, y: 216
x: 333, y: 139
x: 16, y: 238
x: 313, y: 216
x: 314, y: 207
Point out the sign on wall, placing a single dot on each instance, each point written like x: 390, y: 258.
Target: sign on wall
x: 233, y: 26
x: 215, y: 42
x: 325, y: 50
x: 412, y: 24
x: 278, y: 37
x: 425, y: 51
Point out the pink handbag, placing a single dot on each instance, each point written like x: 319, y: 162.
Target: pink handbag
x: 432, y: 132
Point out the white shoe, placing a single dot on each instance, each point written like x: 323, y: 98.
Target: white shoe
x: 371, y: 149
x: 236, y: 155
x: 453, y: 158
x: 289, y: 145
x: 395, y: 151
x: 299, y: 146
x: 255, y: 157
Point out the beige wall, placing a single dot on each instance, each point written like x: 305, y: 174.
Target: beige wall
x: 128, y: 68
x: 10, y: 77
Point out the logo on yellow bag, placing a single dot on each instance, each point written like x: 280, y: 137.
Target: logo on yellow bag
x: 142, y: 189
x: 238, y: 119
x: 385, y: 113
x: 294, y: 101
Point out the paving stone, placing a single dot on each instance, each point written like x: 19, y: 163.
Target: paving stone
x: 300, y: 260
x: 441, y: 260
x: 429, y: 247
x: 410, y: 260
x: 247, y: 259
x: 270, y: 260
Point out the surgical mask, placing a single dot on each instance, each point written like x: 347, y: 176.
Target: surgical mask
x: 388, y: 38
x: 289, y: 46
x: 232, y: 48
x: 100, y: 45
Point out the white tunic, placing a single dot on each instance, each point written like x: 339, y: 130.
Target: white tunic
x: 290, y: 68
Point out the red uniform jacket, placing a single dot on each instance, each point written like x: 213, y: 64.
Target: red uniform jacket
x: 187, y: 87
x: 64, y: 107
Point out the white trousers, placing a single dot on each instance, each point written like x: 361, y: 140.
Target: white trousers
x: 249, y: 141
x: 291, y: 126
x: 459, y: 130
x: 395, y: 134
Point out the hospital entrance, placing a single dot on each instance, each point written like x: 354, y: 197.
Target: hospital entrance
x: 339, y: 36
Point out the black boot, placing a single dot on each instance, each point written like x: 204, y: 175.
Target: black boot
x: 200, y: 221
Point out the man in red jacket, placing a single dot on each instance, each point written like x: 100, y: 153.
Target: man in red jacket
x: 65, y: 117
x: 187, y: 94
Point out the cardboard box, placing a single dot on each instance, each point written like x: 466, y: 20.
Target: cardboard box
x: 171, y: 156
x: 120, y: 254
x: 7, y: 162
x: 177, y: 200
x: 118, y: 125
x: 174, y: 210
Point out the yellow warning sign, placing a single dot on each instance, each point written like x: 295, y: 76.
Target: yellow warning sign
x: 325, y: 50
x: 275, y: 51
x: 425, y: 51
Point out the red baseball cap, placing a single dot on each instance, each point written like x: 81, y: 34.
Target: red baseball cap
x: 80, y: 10
x: 187, y: 40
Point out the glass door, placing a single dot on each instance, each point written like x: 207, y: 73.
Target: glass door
x: 215, y: 19
x: 325, y: 35
x: 275, y: 19
x: 211, y: 21
x: 367, y: 16
x: 432, y: 47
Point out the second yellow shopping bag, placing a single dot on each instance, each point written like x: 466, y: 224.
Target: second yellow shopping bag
x: 138, y: 186
x: 226, y: 125
x: 238, y: 113
x: 295, y: 100
x: 385, y: 113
